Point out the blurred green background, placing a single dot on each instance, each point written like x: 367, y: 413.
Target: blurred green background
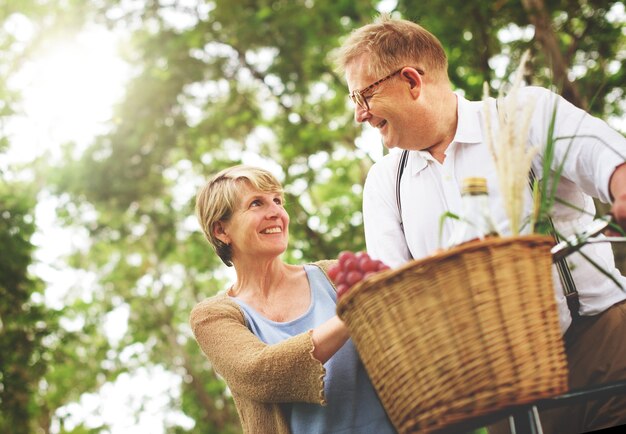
x: 113, y: 114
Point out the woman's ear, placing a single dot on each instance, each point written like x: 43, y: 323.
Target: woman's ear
x: 220, y: 233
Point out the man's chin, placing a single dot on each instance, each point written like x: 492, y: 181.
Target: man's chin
x: 387, y: 144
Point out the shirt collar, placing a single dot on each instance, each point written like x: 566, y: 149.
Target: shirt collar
x: 468, y: 128
x: 468, y: 131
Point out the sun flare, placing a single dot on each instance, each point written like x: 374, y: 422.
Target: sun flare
x: 68, y: 92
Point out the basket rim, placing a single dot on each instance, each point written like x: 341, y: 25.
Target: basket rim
x: 467, y: 247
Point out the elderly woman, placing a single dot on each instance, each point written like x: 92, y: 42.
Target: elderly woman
x: 273, y: 335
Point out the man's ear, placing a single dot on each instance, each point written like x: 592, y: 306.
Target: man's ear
x: 220, y: 233
x: 414, y: 79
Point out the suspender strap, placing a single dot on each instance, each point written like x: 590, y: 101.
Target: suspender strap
x: 565, y: 275
x: 401, y: 165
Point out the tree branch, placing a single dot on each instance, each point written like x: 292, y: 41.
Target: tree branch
x: 544, y: 34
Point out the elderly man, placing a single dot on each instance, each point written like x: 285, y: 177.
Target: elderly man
x: 397, y: 77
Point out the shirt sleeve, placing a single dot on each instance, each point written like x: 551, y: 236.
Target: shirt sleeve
x: 384, y: 236
x: 588, y: 146
x: 283, y: 372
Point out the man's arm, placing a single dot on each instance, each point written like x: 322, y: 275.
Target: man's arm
x: 617, y: 188
x: 383, y: 234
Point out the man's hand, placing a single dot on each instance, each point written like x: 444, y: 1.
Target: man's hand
x: 617, y: 187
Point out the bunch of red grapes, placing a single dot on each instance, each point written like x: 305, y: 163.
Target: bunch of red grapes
x: 352, y: 268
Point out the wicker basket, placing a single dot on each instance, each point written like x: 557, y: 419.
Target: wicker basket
x: 461, y: 334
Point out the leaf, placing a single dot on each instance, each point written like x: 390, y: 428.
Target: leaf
x: 442, y: 219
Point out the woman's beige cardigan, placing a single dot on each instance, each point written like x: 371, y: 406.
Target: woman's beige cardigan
x: 261, y: 377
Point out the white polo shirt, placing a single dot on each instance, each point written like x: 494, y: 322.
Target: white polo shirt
x: 428, y: 189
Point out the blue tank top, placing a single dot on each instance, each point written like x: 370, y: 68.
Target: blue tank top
x: 352, y: 404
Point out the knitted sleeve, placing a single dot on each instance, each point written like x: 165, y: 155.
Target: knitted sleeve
x: 282, y: 372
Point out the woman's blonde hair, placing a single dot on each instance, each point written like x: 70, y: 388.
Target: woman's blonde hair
x: 391, y: 44
x: 217, y: 200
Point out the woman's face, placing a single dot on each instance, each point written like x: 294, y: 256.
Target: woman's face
x: 259, y: 225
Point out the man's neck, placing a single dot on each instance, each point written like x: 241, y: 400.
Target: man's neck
x: 448, y: 121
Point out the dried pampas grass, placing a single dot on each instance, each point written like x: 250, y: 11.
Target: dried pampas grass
x: 508, y: 144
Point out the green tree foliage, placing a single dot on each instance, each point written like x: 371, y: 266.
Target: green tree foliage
x: 24, y: 322
x: 575, y: 44
x: 251, y: 81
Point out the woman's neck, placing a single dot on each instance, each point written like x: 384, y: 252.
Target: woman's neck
x: 278, y: 291
x: 260, y: 278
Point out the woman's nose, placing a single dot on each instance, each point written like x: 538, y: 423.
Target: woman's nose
x: 275, y: 210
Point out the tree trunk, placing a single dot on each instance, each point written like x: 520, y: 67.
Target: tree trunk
x: 212, y: 416
x: 545, y: 36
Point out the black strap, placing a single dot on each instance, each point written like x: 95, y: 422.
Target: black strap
x: 401, y: 165
x: 565, y: 274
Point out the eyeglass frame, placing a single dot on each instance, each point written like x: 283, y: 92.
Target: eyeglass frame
x: 357, y: 95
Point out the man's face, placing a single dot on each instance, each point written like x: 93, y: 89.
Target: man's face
x: 387, y: 105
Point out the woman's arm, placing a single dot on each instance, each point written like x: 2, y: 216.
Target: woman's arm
x: 328, y: 338
x: 289, y: 371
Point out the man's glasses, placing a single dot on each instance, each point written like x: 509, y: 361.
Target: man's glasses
x: 357, y: 95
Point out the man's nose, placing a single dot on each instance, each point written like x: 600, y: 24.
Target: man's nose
x: 360, y: 114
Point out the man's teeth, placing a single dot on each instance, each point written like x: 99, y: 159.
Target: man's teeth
x: 275, y: 230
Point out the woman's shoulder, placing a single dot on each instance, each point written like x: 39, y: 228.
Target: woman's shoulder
x: 324, y: 264
x: 220, y: 305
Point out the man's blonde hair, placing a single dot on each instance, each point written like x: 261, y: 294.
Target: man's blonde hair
x: 217, y: 200
x: 390, y: 44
